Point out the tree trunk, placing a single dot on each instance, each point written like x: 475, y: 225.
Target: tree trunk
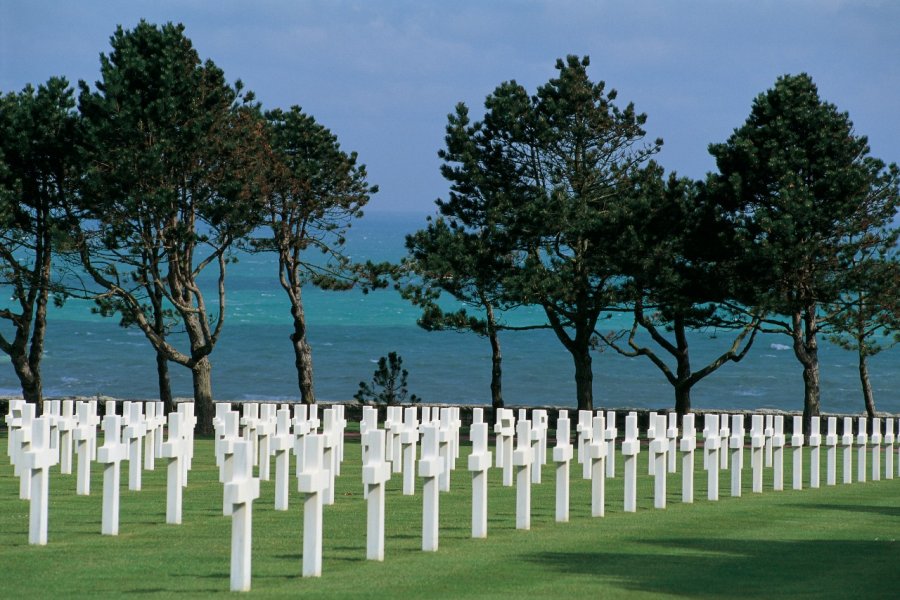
x: 30, y: 382
x: 683, y: 370
x: 868, y: 396
x: 496, y: 359
x: 203, y: 399
x: 165, y: 386
x: 584, y: 377
x: 302, y: 353
x: 682, y: 400
x: 806, y: 349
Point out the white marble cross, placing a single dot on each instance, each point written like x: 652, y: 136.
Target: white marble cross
x: 367, y: 423
x: 725, y: 437
x: 341, y: 424
x: 736, y: 444
x: 393, y: 426
x: 876, y: 449
x: 505, y: 430
x: 562, y: 456
x: 230, y: 436
x: 430, y: 467
x: 409, y: 438
x: 176, y: 450
x: 111, y: 455
x: 134, y: 432
x: 250, y: 421
x: 36, y: 463
x: 376, y: 471
x: 240, y: 492
x: 659, y: 448
x: 797, y: 446
x: 312, y: 480
x: 768, y: 432
x: 862, y: 442
x: 672, y: 436
x: 778, y: 453
x: 479, y: 463
x: 847, y: 445
x: 152, y: 424
x: 889, y: 438
x: 66, y: 423
x: 265, y: 429
x: 330, y: 433
x: 610, y: 435
x: 282, y: 442
x: 83, y: 433
x: 758, y: 443
x: 13, y: 428
x: 596, y: 454
x: 188, y: 423
x: 52, y: 410
x: 687, y: 447
x: 445, y: 448
x: 815, y: 442
x: 538, y: 443
x: 584, y: 430
x: 302, y: 428
x: 24, y: 438
x: 711, y: 446
x: 631, y: 447
x: 523, y: 459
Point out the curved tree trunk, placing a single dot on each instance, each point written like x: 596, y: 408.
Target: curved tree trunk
x: 806, y: 349
x: 868, y: 396
x: 302, y: 351
x: 30, y: 382
x: 584, y: 378
x: 496, y: 360
x: 203, y: 398
x: 165, y: 385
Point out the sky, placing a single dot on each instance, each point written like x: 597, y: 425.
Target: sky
x: 384, y: 75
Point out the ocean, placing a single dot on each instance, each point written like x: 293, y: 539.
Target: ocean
x: 88, y: 355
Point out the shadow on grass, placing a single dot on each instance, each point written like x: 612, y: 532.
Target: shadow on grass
x: 741, y: 569
x: 887, y: 511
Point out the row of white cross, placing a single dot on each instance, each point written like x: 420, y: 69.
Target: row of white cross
x: 264, y: 431
x: 521, y: 450
x: 37, y: 443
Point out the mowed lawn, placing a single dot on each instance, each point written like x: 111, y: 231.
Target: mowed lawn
x: 832, y: 542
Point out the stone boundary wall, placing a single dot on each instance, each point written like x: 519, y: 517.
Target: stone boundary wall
x: 353, y: 411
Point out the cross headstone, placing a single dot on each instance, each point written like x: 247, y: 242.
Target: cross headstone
x: 847, y: 445
x: 176, y: 450
x: 13, y: 421
x: 330, y: 433
x: 815, y: 444
x: 538, y: 443
x: 631, y: 447
x: 312, y: 480
x: 376, y: 471
x: 758, y: 442
x: 367, y: 423
x: 282, y: 442
x: 778, y: 453
x: 36, y: 463
x: 672, y: 436
x: 230, y: 436
x: 862, y: 443
x: 831, y: 441
x: 711, y: 446
x: 430, y: 467
x: 111, y: 455
x: 445, y: 448
x: 610, y: 434
x: 218, y: 427
x: 25, y: 439
x: 876, y: 449
x: 250, y: 421
x: 479, y: 463
x: 562, y: 456
x: 189, y: 423
x: 596, y: 454
x: 53, y: 410
x: 342, y: 427
x: 265, y: 429
x: 688, y: 445
x: 797, y: 446
x: 736, y: 444
x: 393, y: 425
x: 889, y: 438
x: 505, y: 430
x: 240, y: 492
x: 768, y: 432
x: 134, y: 433
x: 725, y: 437
x: 302, y: 428
x: 66, y: 423
x: 83, y: 434
x: 659, y: 448
x: 523, y: 459
x: 409, y: 438
x: 150, y: 438
x: 584, y: 430
x: 652, y: 435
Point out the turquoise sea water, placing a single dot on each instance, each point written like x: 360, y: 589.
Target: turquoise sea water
x: 86, y: 354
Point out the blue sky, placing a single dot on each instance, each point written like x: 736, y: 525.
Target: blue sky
x: 384, y: 75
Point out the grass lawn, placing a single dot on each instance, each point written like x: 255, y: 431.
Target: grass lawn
x: 832, y: 542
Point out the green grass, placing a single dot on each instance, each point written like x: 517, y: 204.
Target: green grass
x: 833, y: 542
